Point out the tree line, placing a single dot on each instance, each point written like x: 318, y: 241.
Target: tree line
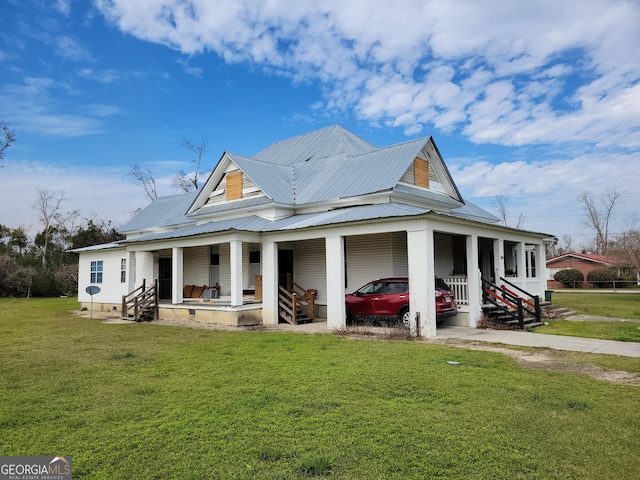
x: 42, y: 265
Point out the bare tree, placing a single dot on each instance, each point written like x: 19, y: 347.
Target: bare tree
x: 500, y: 204
x: 48, y: 206
x: 626, y: 246
x: 599, y: 216
x: 181, y: 181
x: 7, y: 137
x: 144, y: 178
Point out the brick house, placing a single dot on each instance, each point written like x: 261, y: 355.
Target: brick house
x: 584, y: 262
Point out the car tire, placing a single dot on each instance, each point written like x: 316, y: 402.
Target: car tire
x: 404, y: 317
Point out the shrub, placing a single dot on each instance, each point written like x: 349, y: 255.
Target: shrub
x: 602, y: 277
x: 569, y: 277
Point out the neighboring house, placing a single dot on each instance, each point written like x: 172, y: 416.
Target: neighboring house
x: 584, y: 262
x: 329, y: 210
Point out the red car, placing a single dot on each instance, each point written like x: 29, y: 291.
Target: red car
x: 389, y: 297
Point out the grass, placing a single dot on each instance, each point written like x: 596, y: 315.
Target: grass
x: 151, y: 402
x: 617, y: 305
x: 620, y: 305
x: 623, y: 332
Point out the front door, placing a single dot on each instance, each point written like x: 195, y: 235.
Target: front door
x: 165, y: 274
x: 285, y: 266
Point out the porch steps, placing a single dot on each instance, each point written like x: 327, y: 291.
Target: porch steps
x: 556, y: 311
x: 496, y: 315
x: 301, y: 316
x: 145, y: 315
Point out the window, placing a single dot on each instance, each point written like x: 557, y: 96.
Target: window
x: 123, y: 270
x: 96, y: 271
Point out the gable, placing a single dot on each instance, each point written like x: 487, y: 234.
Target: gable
x: 422, y: 174
x: 429, y: 172
x: 234, y: 185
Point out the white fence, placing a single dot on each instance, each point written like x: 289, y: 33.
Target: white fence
x: 460, y: 288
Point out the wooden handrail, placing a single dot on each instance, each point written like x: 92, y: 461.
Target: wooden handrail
x: 512, y: 300
x: 294, y: 296
x: 140, y: 300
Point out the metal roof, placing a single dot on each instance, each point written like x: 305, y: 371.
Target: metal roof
x: 230, y: 206
x: 346, y: 215
x: 258, y: 224
x: 103, y: 246
x: 344, y: 176
x: 162, y: 212
x: 275, y: 181
x: 326, y: 142
x: 315, y: 168
x: 250, y: 224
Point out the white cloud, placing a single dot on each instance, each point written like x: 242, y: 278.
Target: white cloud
x: 108, y: 75
x: 33, y: 107
x: 496, y: 70
x: 63, y: 6
x: 68, y: 48
x: 546, y: 191
x: 190, y: 69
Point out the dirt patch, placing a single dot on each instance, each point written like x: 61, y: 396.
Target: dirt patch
x: 553, y: 360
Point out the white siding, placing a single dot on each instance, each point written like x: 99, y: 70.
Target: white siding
x: 144, y: 269
x: 400, y: 257
x: 111, y: 289
x: 443, y: 261
x: 368, y: 257
x: 309, y: 267
x: 196, y: 266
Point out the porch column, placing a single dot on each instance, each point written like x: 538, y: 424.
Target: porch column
x: 541, y: 267
x: 422, y: 284
x: 177, y: 277
x: 269, y: 283
x: 498, y: 260
x: 236, y: 272
x: 336, y: 311
x: 474, y: 284
x: 522, y: 264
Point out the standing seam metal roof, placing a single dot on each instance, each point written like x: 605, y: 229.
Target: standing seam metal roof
x: 326, y: 142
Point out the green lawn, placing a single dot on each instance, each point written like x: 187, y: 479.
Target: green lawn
x: 623, y: 332
x: 621, y: 305
x: 150, y: 402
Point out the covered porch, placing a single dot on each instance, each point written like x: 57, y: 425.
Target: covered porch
x: 238, y: 274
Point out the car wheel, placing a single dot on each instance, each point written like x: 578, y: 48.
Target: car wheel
x: 405, y: 316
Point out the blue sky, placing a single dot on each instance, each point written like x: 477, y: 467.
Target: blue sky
x: 536, y: 101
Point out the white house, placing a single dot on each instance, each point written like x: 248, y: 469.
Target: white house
x: 330, y: 211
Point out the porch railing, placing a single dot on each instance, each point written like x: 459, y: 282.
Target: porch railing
x: 460, y: 287
x: 512, y: 303
x: 296, y: 304
x: 141, y: 303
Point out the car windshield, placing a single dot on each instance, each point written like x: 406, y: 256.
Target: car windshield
x: 441, y: 286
